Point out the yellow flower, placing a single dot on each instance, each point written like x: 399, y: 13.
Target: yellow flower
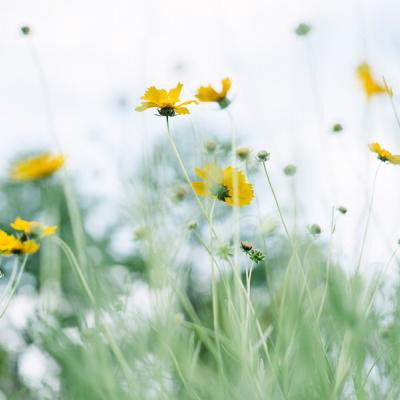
x: 219, y: 184
x: 371, y: 87
x: 167, y: 103
x: 208, y: 93
x: 383, y: 154
x: 10, y: 245
x: 37, y: 167
x: 32, y: 227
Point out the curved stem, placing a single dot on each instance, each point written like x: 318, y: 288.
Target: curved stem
x: 186, y: 175
x: 16, y: 284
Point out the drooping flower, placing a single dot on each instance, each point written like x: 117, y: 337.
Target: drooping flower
x: 209, y: 94
x: 220, y: 184
x: 370, y: 85
x: 383, y: 154
x: 33, y: 228
x: 10, y: 244
x: 37, y: 167
x: 168, y: 103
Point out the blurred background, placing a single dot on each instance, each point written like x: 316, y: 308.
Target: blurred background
x: 95, y: 59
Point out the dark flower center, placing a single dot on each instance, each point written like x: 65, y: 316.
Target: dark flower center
x: 224, y: 102
x: 167, y: 111
x: 221, y: 192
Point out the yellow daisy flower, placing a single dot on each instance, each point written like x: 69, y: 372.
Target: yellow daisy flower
x: 167, y: 103
x: 209, y: 94
x: 32, y: 227
x: 37, y: 167
x: 370, y: 86
x: 10, y: 245
x: 219, y: 184
x: 383, y: 154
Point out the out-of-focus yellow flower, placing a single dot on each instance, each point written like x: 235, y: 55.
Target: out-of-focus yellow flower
x: 29, y: 247
x: 383, y: 154
x: 9, y: 245
x: 38, y: 167
x: 167, y: 103
x: 219, y: 184
x: 32, y: 227
x: 209, y: 94
x: 370, y: 86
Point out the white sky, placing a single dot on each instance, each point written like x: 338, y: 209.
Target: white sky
x: 93, y: 52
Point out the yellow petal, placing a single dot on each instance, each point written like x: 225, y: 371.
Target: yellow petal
x: 200, y: 188
x: 375, y: 147
x: 226, y: 85
x: 200, y: 173
x: 154, y: 95
x: 145, y: 105
x: 174, y: 94
x: 207, y: 94
x: 395, y: 159
x: 181, y: 110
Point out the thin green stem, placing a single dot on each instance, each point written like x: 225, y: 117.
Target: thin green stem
x: 277, y: 203
x: 364, y: 239
x: 15, y: 285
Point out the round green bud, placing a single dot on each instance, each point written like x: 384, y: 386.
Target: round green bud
x: 290, y: 170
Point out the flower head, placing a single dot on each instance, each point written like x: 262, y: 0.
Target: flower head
x: 9, y: 245
x: 370, y: 86
x: 383, y: 154
x: 220, y: 184
x: 38, y: 167
x: 209, y: 94
x: 32, y: 228
x: 168, y: 103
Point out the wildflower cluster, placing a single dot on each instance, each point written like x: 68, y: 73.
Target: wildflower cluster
x: 24, y: 241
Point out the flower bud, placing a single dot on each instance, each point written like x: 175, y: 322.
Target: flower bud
x: 246, y: 246
x: 342, y: 209
x: 302, y: 29
x: 193, y: 224
x: 263, y: 155
x: 290, y: 170
x: 315, y: 229
x: 243, y: 153
x: 210, y: 146
x: 26, y: 30
x: 337, y: 128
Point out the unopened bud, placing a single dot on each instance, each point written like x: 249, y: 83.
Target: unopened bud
x: 243, y: 153
x: 263, y: 155
x: 342, y: 209
x: 315, y: 229
x: 193, y: 224
x: 26, y: 30
x: 290, y: 170
x: 246, y: 246
x: 210, y: 146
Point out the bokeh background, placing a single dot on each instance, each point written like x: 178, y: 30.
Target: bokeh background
x: 98, y: 57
